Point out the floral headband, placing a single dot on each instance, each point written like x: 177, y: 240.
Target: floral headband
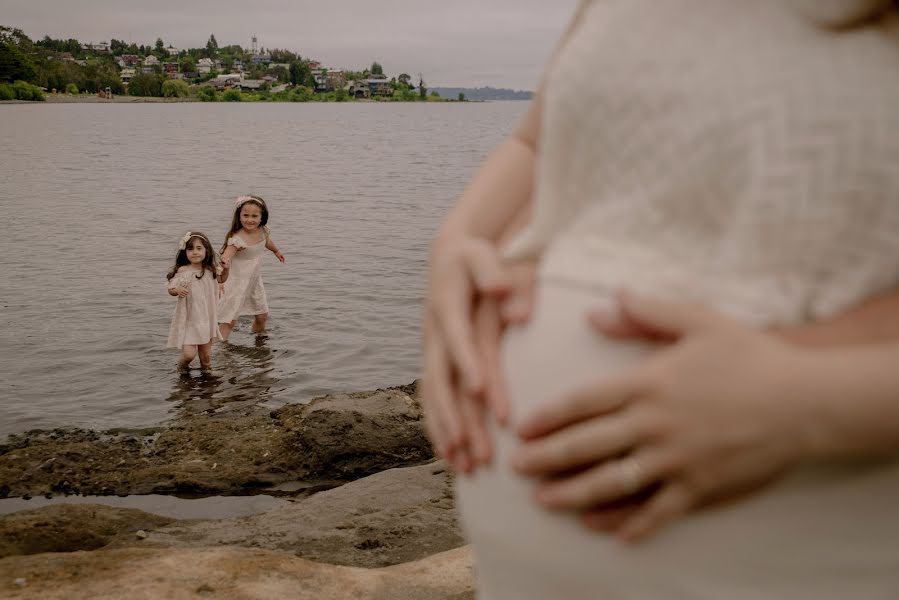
x: 241, y: 199
x: 183, y: 243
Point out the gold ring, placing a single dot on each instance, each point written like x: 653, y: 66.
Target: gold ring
x: 630, y: 473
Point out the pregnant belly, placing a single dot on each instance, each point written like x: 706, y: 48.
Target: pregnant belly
x: 827, y: 531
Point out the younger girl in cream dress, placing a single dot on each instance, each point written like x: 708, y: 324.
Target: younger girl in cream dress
x: 194, y: 281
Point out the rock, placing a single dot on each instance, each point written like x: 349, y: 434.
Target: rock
x: 238, y: 573
x: 141, y: 534
x: 70, y: 527
x: 391, y: 517
x: 334, y: 437
x: 20, y: 582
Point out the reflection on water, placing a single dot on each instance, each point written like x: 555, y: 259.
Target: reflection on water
x: 240, y: 374
x: 104, y: 192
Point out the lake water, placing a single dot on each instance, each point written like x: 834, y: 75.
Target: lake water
x: 95, y: 197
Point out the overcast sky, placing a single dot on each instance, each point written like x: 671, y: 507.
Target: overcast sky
x: 468, y: 43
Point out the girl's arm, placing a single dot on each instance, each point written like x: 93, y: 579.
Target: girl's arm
x: 270, y: 244
x: 223, y: 274
x: 229, y: 252
x: 173, y: 286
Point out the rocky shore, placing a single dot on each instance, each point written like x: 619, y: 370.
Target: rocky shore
x: 381, y: 525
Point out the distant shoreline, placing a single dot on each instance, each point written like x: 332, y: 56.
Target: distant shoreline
x: 85, y: 99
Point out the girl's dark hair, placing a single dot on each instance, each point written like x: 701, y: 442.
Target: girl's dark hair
x: 235, y: 219
x: 209, y: 261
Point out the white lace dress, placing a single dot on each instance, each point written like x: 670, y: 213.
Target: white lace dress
x: 244, y: 290
x: 195, y: 321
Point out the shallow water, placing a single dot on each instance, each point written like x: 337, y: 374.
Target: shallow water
x: 95, y: 198
x: 212, y: 507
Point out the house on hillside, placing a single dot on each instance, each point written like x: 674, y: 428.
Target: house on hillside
x: 224, y: 82
x: 328, y: 80
x: 204, y: 66
x: 379, y: 85
x: 150, y: 65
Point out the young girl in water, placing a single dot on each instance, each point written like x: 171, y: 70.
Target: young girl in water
x: 244, y: 293
x: 193, y: 281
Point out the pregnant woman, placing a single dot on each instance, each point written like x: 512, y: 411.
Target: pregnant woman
x: 743, y: 154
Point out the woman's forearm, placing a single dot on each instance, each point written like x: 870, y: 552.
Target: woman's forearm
x: 852, y: 404
x: 876, y: 320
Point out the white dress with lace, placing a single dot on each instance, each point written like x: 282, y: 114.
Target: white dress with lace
x: 195, y: 321
x: 244, y: 290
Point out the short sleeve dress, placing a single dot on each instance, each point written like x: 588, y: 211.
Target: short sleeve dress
x: 195, y: 321
x: 244, y: 290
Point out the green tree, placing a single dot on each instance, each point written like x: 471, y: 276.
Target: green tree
x: 187, y: 65
x: 461, y: 97
x: 212, y: 47
x: 71, y: 89
x: 206, y: 93
x: 146, y: 85
x: 279, y: 72
x: 422, y: 88
x: 404, y: 79
x: 27, y: 91
x: 175, y: 88
x: 299, y: 72
x: 376, y: 69
x: 14, y: 64
x: 341, y: 95
x: 232, y: 95
x: 301, y: 93
x: 16, y: 50
x: 435, y: 94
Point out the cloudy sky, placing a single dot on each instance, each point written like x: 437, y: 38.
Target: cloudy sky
x: 468, y: 43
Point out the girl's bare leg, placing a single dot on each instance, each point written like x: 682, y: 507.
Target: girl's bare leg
x: 259, y: 322
x: 188, y: 353
x: 225, y: 329
x: 205, y: 352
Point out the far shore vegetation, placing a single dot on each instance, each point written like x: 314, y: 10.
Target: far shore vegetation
x: 31, y: 69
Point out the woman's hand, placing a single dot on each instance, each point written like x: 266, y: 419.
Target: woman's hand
x: 278, y: 255
x: 471, y: 296
x: 225, y: 262
x: 182, y: 292
x: 710, y: 415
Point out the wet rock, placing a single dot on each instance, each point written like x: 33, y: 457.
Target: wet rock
x: 335, y: 437
x: 70, y: 527
x: 388, y: 518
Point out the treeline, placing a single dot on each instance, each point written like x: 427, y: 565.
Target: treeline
x: 66, y: 65
x: 21, y: 59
